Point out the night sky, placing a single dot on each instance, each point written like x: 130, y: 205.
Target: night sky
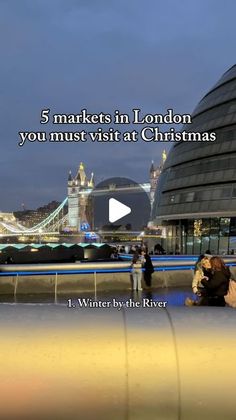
x: 101, y: 55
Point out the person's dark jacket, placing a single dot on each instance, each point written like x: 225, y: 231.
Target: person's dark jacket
x: 218, y: 284
x: 148, y: 266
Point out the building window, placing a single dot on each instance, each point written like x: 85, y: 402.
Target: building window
x: 198, y: 195
x: 234, y: 193
x: 226, y: 193
x: 214, y: 226
x: 187, y: 197
x: 224, y: 226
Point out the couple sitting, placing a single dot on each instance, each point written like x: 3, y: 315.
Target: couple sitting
x: 212, y: 283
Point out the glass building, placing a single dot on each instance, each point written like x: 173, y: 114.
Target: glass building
x: 196, y: 195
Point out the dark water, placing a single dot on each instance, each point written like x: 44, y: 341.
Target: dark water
x: 174, y: 296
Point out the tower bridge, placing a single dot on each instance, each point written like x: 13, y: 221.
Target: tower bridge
x: 78, y: 203
x: 11, y: 227
x: 130, y: 188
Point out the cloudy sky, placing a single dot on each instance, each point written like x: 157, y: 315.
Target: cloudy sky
x: 101, y: 55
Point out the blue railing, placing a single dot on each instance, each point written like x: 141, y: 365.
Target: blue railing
x: 96, y: 270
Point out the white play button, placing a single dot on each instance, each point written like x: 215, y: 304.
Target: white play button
x: 120, y: 199
x: 117, y: 210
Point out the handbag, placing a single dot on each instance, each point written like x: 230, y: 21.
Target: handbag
x: 230, y: 298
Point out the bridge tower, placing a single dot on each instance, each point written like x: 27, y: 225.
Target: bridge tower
x: 154, y: 175
x: 79, y: 202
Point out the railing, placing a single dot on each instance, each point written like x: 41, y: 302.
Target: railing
x: 56, y: 273
x: 18, y: 271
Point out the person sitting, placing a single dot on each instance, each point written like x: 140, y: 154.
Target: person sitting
x: 230, y: 298
x: 218, y: 284
x: 202, y: 270
x: 158, y: 249
x: 9, y: 260
x: 114, y: 254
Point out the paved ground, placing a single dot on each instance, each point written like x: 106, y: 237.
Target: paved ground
x: 174, y: 296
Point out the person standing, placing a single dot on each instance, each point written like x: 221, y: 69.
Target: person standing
x: 148, y: 269
x: 136, y: 271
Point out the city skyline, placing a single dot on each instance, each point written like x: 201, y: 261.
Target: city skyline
x: 73, y: 55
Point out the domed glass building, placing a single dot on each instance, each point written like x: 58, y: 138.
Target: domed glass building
x: 196, y: 194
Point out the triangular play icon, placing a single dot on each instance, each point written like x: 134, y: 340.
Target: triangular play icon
x: 117, y: 210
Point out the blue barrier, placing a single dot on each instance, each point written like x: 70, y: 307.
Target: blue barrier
x: 92, y: 271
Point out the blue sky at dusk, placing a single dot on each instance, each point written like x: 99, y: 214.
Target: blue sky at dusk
x: 101, y: 55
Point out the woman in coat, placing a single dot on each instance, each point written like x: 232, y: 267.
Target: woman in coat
x: 136, y: 271
x: 218, y: 284
x: 202, y: 270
